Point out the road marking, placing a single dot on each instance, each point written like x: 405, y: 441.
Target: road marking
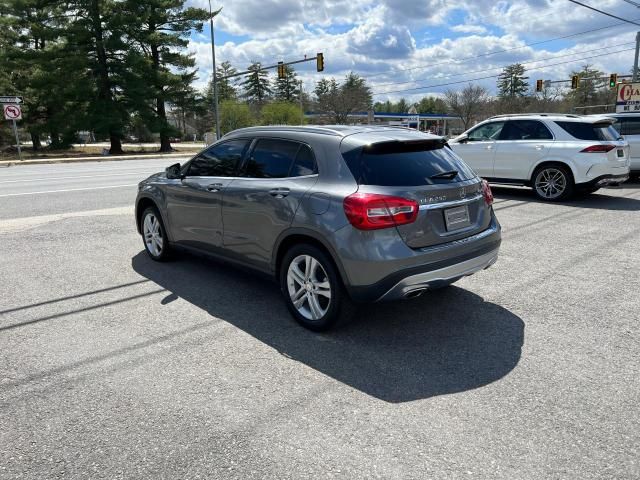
x: 17, y: 224
x: 141, y: 172
x: 66, y: 190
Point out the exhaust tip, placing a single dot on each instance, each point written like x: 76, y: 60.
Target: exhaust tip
x: 415, y: 293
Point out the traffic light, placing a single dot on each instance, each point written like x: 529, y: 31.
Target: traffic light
x: 538, y: 85
x: 613, y: 80
x: 575, y: 80
x: 281, y: 70
x: 320, y: 62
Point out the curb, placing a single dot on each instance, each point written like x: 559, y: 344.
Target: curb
x: 105, y: 158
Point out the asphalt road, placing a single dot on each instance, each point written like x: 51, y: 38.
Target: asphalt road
x: 113, y: 366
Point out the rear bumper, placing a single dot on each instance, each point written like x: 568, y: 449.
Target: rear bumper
x: 416, y: 284
x: 602, y: 181
x: 478, y: 253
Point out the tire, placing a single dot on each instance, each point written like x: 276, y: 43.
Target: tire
x: 553, y: 183
x: 308, y: 275
x: 154, y: 237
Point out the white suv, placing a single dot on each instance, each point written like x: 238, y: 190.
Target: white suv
x: 628, y: 125
x: 554, y: 154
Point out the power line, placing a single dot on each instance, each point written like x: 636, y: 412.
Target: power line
x: 632, y: 3
x: 604, y: 13
x: 522, y: 63
x: 462, y: 60
x: 496, y: 76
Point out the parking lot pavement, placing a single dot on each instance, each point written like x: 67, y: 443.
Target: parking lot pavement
x: 113, y: 366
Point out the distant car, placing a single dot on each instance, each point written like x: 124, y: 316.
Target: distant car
x: 370, y: 213
x: 554, y: 154
x: 628, y: 125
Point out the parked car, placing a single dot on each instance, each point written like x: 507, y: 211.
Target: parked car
x: 628, y: 125
x: 333, y: 213
x: 556, y: 155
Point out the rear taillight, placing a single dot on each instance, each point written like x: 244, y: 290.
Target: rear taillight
x: 598, y: 149
x: 486, y: 193
x: 369, y: 211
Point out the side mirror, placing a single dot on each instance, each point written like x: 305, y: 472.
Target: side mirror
x: 173, y: 171
x: 464, y: 138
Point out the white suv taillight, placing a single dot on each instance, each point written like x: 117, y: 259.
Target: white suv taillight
x: 370, y: 211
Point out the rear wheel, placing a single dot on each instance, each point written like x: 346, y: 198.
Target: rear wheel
x: 553, y: 183
x: 311, y: 287
x: 153, y: 235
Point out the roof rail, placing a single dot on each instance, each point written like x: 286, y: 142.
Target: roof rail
x: 570, y: 115
x: 289, y: 128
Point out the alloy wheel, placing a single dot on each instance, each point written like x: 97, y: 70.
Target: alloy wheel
x: 152, y: 234
x: 551, y: 183
x: 308, y: 286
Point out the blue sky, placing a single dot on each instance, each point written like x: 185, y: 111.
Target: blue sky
x: 419, y: 45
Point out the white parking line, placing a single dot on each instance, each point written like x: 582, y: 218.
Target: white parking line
x: 17, y: 224
x: 66, y: 190
x: 142, y: 172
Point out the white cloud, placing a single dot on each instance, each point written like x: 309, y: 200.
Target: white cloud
x: 377, y: 39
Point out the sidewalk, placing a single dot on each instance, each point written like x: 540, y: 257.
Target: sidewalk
x: 95, y: 158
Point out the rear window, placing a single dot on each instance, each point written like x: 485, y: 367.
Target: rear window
x: 627, y: 125
x: 590, y: 131
x: 394, y: 164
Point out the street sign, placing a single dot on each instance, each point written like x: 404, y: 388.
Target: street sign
x: 12, y: 112
x: 628, y: 98
x: 10, y: 99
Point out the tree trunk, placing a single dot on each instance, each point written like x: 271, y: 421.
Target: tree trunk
x: 165, y: 143
x: 35, y: 140
x: 116, y: 145
x: 104, y: 83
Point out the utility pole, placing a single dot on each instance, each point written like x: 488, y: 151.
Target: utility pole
x: 635, y: 62
x: 215, y: 76
x: 301, y: 106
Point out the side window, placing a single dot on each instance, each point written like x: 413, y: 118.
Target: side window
x: 271, y: 158
x: 486, y: 132
x: 630, y: 126
x: 304, y: 164
x: 525, y: 130
x: 220, y: 160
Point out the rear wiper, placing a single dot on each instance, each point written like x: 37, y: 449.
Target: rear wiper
x: 448, y: 175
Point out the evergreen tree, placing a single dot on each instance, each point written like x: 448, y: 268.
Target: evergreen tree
x: 161, y: 29
x: 339, y: 100
x: 257, y: 87
x: 287, y: 88
x: 512, y: 82
x: 431, y: 105
x: 592, y: 88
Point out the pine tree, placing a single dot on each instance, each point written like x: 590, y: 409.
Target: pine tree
x: 160, y: 30
x: 287, y: 88
x: 512, y: 82
x: 257, y: 87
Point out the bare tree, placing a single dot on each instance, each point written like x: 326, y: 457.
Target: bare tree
x: 468, y: 103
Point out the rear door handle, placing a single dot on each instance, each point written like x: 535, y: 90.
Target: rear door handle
x: 214, y: 187
x: 539, y: 147
x: 279, y: 192
x: 489, y: 147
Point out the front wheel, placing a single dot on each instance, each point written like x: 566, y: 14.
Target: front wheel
x: 153, y: 235
x: 311, y: 287
x: 553, y: 183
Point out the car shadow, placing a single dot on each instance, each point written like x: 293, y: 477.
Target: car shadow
x: 444, y: 342
x: 602, y: 199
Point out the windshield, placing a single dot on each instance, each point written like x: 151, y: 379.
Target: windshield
x: 394, y: 164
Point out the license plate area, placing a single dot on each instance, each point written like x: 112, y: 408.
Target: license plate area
x: 620, y: 153
x: 457, y: 218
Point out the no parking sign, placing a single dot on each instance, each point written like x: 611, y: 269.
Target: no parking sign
x: 12, y: 112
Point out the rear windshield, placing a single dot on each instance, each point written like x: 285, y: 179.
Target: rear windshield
x: 394, y: 164
x: 590, y: 131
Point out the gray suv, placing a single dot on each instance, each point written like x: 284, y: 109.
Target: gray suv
x: 335, y: 213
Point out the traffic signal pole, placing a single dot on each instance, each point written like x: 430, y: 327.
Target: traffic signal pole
x: 319, y: 59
